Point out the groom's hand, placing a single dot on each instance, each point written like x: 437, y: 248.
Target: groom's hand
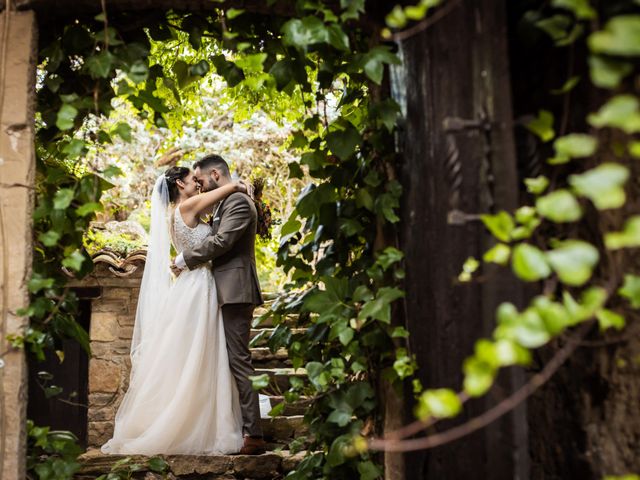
x: 176, y: 270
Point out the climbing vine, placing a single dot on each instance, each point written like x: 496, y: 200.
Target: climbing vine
x: 337, y: 245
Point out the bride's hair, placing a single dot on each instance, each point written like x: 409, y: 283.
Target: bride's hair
x: 172, y: 175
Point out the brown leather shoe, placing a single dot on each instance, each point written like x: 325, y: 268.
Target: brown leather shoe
x: 253, y: 446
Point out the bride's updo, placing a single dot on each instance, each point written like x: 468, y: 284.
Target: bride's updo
x: 172, y: 175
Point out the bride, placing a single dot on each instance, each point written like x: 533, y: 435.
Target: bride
x: 182, y: 398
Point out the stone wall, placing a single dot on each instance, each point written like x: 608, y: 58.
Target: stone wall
x: 112, y: 319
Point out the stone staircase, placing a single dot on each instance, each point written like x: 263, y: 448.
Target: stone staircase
x: 278, y: 430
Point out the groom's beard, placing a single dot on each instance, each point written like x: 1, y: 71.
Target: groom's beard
x: 211, y: 185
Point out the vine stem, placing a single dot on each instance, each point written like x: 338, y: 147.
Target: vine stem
x: 491, y: 415
x: 427, y: 22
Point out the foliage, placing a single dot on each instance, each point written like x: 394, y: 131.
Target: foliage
x: 124, y: 468
x: 52, y: 454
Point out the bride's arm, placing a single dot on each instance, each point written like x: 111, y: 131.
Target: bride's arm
x: 199, y: 203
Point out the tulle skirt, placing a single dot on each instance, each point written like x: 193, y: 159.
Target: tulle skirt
x: 182, y: 398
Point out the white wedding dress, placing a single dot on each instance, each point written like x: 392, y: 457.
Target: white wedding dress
x: 182, y: 398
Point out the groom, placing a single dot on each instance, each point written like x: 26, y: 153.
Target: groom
x: 231, y: 247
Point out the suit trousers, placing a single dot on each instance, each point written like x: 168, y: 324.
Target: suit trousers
x: 237, y: 324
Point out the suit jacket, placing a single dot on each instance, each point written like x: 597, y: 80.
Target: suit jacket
x: 231, y: 247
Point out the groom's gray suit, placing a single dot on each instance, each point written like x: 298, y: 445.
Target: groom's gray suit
x: 231, y: 246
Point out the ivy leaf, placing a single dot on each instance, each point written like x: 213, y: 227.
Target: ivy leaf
x: 478, y: 377
x: 575, y: 145
x: 573, y: 261
x: 138, y: 72
x: 529, y: 263
x: 344, y: 142
x: 603, y: 185
x: 631, y: 290
x: 49, y: 238
x: 567, y: 86
x: 499, y: 254
x: 66, y: 117
x: 536, y: 185
x: 258, y: 382
x: 438, y: 403
x: 380, y: 307
x: 580, y: 8
x: 88, y: 208
x: 628, y: 237
x: 100, y: 65
x: 500, y: 225
x: 63, y: 198
x: 622, y: 111
x: 559, y: 206
x: 229, y: 70
x: 123, y: 130
x: 300, y: 33
x: 234, y: 12
x: 620, y: 37
x: 200, y: 69
x: 368, y: 470
x: 337, y: 37
x: 542, y: 126
x: 37, y: 283
x: 373, y: 62
x: 608, y: 319
x: 74, y: 261
x: 607, y: 72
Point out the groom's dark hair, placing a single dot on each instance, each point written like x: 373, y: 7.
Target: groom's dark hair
x: 212, y: 161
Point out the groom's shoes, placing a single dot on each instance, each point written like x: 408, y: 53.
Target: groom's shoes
x: 253, y: 446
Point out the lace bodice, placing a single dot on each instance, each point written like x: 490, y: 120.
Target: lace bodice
x: 186, y: 237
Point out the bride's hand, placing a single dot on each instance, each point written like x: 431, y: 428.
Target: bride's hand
x: 245, y: 187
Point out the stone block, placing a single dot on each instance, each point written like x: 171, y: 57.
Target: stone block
x: 190, y: 464
x: 99, y: 433
x: 117, y: 306
x: 104, y: 376
x: 114, y: 293
x: 127, y: 320
x: 125, y: 333
x: 257, y: 466
x: 104, y: 327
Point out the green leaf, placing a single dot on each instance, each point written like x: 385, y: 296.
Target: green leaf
x: 529, y: 263
x: 63, y: 198
x: 607, y: 72
x: 628, y: 237
x: 123, y: 130
x: 74, y: 148
x: 438, y: 403
x: 368, y: 470
x: 559, y: 206
x: 157, y: 464
x: 580, y: 8
x: 138, y: 72
x: 608, y: 319
x: 603, y: 185
x: 388, y: 257
x: 573, y: 261
x: 100, y: 65
x: 380, y: 307
x: 536, y: 185
x: 300, y: 33
x: 567, y: 86
x: 89, y: 208
x: 49, y: 238
x: 66, y: 117
x: 258, y: 382
x: 500, y: 225
x: 396, y: 18
x: 337, y: 37
x: 37, y: 283
x: 561, y: 28
x: 620, y: 37
x: 554, y: 315
x: 631, y: 290
x: 575, y: 145
x: 373, y: 62
x: 74, y: 261
x: 622, y: 111
x: 499, y: 254
x: 542, y: 126
x: 344, y: 142
x: 232, y: 13
x: 478, y: 377
x: 200, y: 69
x: 468, y: 268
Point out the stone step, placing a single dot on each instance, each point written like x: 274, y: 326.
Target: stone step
x: 283, y: 429
x: 279, y: 378
x: 269, y: 465
x: 263, y: 357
